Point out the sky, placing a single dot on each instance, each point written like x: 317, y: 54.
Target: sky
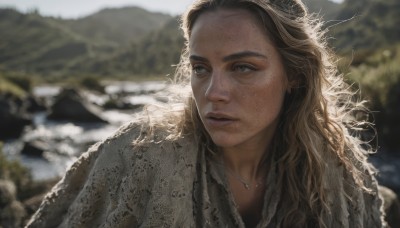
x: 80, y: 8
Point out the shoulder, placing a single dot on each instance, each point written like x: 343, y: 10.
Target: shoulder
x: 131, y: 162
x: 140, y: 140
x: 352, y: 203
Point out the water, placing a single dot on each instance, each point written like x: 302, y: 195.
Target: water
x: 66, y: 141
x: 388, y: 165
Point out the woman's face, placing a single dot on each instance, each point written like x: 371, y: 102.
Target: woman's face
x: 238, y: 79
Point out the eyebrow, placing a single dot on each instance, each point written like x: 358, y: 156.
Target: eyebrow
x: 231, y: 57
x: 243, y: 54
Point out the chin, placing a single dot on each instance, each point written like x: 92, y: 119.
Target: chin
x: 224, y: 142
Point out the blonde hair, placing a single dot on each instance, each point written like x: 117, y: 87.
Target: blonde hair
x: 318, y: 112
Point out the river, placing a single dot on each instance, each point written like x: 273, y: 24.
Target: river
x: 68, y: 140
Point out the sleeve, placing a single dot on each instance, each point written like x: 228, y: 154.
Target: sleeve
x: 366, y: 206
x: 84, y: 195
x: 350, y: 205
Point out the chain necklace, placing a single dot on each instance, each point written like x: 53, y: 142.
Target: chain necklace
x: 245, y: 183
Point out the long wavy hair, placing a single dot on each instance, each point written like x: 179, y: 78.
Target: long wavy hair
x: 317, y: 121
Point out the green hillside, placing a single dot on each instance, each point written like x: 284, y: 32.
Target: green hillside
x: 152, y: 55
x: 370, y: 25
x: 118, y: 26
x: 369, y: 43
x: 133, y: 41
x: 30, y: 43
x: 156, y: 52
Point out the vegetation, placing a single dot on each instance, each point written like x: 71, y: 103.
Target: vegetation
x: 16, y: 172
x: 153, y: 55
x: 131, y: 43
x: 367, y: 25
x: 91, y: 83
x: 56, y: 48
x: 15, y: 84
x: 7, y: 87
x: 118, y: 27
x: 378, y: 79
x: 32, y: 44
x: 134, y: 44
x: 22, y: 81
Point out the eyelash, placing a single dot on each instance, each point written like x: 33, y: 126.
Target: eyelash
x: 239, y: 67
x: 197, y: 67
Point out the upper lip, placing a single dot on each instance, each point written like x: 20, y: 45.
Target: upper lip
x: 219, y: 115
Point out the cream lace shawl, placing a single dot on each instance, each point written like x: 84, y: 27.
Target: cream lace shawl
x: 122, y: 182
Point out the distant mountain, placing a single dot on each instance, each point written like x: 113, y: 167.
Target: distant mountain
x: 35, y: 44
x: 30, y: 43
x: 153, y: 55
x: 119, y: 26
x: 158, y: 51
x: 133, y: 41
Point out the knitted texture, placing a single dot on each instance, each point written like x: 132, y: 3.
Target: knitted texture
x: 124, y: 182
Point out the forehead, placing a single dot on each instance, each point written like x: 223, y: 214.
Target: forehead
x: 233, y: 27
x: 227, y: 18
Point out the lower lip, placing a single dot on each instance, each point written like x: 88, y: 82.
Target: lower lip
x: 218, y: 123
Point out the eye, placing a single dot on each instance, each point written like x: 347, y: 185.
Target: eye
x: 243, y: 68
x: 199, y: 69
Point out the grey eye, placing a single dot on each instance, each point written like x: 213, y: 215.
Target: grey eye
x: 243, y: 68
x: 199, y: 70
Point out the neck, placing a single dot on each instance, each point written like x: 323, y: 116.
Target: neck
x: 246, y: 165
x: 248, y: 159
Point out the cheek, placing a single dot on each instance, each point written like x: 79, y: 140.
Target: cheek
x: 267, y: 101
x: 194, y: 85
x: 196, y: 90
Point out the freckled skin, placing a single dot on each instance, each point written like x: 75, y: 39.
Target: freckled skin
x: 250, y: 89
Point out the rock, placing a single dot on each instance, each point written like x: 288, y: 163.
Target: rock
x: 37, y: 192
x: 35, y: 148
x: 33, y: 104
x: 7, y: 192
x: 12, y: 212
x: 121, y: 104
x: 13, y: 215
x: 32, y: 204
x: 391, y: 205
x: 71, y: 105
x: 13, y: 118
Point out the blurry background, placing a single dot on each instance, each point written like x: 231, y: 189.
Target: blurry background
x: 71, y: 72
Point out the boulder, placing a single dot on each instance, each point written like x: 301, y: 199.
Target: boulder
x: 8, y: 192
x: 32, y: 204
x: 12, y: 212
x: 33, y: 104
x: 71, y: 105
x: 34, y: 148
x: 13, y: 118
x: 121, y: 104
x: 391, y: 205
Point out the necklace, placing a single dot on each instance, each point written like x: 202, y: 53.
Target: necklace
x: 245, y: 183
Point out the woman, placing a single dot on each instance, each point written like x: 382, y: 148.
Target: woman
x: 263, y: 141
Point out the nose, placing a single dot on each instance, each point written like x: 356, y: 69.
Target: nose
x: 218, y: 88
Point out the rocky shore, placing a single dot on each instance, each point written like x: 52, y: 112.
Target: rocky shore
x: 64, y: 129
